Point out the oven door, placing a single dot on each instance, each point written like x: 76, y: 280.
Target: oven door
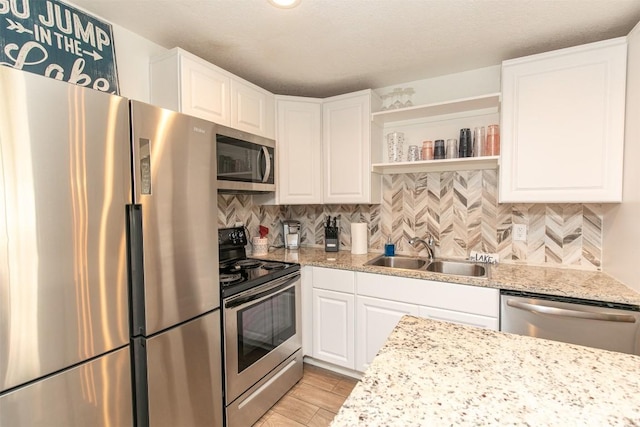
x: 262, y: 328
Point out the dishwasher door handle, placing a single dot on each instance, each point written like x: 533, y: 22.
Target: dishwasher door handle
x: 563, y: 312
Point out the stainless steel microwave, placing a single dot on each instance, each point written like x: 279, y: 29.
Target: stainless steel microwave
x: 246, y: 162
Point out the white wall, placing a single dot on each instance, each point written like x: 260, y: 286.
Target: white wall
x: 621, y: 236
x: 132, y: 60
x: 467, y: 84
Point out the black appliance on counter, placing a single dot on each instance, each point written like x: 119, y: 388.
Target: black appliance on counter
x: 262, y: 332
x: 332, y: 234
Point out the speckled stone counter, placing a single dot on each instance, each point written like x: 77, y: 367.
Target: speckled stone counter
x: 592, y: 285
x: 435, y: 373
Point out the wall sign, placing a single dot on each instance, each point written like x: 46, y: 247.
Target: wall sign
x: 51, y: 38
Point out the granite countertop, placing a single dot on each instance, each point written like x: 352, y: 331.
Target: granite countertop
x: 437, y: 373
x: 591, y: 285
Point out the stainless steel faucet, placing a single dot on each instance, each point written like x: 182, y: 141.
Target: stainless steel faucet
x: 427, y: 244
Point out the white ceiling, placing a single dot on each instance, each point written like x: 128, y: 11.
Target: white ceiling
x: 328, y: 47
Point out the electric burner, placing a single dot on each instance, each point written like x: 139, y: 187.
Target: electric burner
x: 248, y: 263
x: 227, y: 279
x: 274, y: 266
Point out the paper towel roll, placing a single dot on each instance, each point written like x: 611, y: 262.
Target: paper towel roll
x: 359, y: 234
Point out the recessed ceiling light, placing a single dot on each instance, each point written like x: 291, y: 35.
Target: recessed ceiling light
x: 285, y: 4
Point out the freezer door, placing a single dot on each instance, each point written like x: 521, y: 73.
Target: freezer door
x: 175, y: 186
x: 182, y: 369
x: 64, y: 182
x: 96, y: 393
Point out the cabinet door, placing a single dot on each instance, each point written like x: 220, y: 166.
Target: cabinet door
x: 459, y: 317
x: 347, y: 150
x: 299, y: 150
x: 252, y: 109
x: 563, y: 125
x: 205, y: 92
x: 333, y: 327
x: 375, y: 319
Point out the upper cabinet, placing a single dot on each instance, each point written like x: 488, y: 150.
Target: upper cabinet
x: 183, y: 82
x: 351, y: 143
x: 563, y: 125
x: 299, y: 128
x: 325, y: 150
x: 252, y: 109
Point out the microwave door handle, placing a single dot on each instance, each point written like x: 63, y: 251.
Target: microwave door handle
x: 259, y: 161
x: 267, y: 171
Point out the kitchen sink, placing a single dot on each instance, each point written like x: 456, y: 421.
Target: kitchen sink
x: 398, y: 261
x: 458, y: 268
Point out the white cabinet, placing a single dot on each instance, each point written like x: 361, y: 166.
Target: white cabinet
x: 252, y: 109
x: 462, y: 318
x: 375, y: 319
x: 334, y: 316
x: 382, y: 300
x: 299, y: 130
x: 563, y: 125
x: 351, y: 143
x: 333, y: 327
x: 182, y: 82
x: 326, y: 148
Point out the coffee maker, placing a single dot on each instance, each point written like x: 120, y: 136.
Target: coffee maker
x: 291, y: 233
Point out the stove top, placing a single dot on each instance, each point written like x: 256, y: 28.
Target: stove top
x: 239, y: 273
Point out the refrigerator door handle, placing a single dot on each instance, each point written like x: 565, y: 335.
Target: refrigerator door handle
x: 563, y: 312
x: 144, y: 165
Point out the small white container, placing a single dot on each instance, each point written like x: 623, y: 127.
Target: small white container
x: 260, y: 245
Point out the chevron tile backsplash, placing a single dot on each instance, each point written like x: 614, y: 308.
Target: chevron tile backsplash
x: 459, y: 209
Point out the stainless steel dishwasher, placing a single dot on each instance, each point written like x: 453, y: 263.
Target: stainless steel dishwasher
x: 609, y: 326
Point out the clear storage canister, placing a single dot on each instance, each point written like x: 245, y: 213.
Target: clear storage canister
x: 395, y: 142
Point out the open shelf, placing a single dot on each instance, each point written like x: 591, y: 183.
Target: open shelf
x: 489, y: 101
x: 444, y: 165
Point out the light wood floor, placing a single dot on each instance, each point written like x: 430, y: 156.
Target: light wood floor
x: 314, y: 401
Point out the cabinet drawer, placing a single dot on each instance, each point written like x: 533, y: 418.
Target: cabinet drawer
x: 333, y: 280
x: 459, y: 317
x: 449, y: 296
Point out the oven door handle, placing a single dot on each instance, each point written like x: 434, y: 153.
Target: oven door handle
x: 263, y: 291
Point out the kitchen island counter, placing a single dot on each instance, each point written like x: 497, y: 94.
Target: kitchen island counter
x: 567, y: 282
x: 436, y: 373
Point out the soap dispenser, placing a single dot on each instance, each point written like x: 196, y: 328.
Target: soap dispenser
x: 389, y: 248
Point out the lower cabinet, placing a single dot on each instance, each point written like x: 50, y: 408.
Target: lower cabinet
x: 354, y: 313
x: 375, y: 319
x: 382, y: 300
x: 334, y: 316
x: 459, y: 317
x: 333, y: 327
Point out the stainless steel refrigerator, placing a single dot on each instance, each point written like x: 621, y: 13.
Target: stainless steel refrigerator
x: 64, y: 184
x: 109, y: 300
x: 174, y: 270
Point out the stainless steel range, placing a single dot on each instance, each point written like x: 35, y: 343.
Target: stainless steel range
x: 261, y: 303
